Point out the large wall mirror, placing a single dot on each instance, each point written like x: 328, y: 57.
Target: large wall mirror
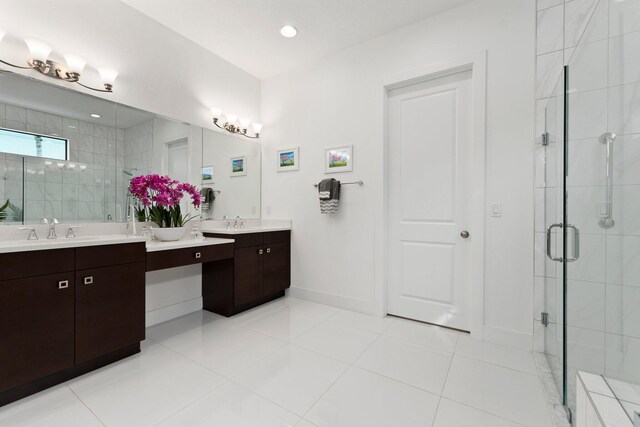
x: 69, y: 155
x: 231, y: 169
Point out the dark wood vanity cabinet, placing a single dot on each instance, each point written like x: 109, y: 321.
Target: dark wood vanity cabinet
x: 259, y: 272
x: 63, y: 318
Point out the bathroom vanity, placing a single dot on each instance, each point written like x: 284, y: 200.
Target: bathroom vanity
x: 259, y: 271
x: 69, y: 306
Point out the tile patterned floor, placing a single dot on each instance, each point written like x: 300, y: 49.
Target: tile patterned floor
x: 297, y: 363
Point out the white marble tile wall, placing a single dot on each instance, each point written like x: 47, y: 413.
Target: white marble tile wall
x: 11, y: 186
x: 80, y: 190
x: 599, y: 40
x: 137, y: 149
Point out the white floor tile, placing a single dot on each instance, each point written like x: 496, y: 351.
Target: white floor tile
x: 57, y: 406
x: 190, y: 322
x: 232, y: 406
x: 144, y: 389
x: 292, y: 377
x: 362, y: 321
x: 75, y: 414
x: 454, y: 414
x: 288, y: 363
x: 338, y: 341
x: 496, y: 354
x: 284, y: 324
x: 424, y: 334
x: 362, y: 398
x: 308, y: 307
x: 504, y: 392
x: 410, y: 363
x: 224, y: 349
x: 254, y: 313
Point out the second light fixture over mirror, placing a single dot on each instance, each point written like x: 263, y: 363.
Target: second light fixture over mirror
x: 232, y: 124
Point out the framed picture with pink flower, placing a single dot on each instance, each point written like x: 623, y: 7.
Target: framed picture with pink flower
x: 338, y: 159
x: 239, y: 166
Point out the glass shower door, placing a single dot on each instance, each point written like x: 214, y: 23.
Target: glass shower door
x: 549, y: 233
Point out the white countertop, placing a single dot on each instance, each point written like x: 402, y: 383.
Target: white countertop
x: 7, y: 246
x: 245, y: 230
x: 186, y: 243
x: 63, y: 242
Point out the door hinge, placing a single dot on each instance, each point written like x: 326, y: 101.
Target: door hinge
x: 545, y: 138
x: 544, y: 319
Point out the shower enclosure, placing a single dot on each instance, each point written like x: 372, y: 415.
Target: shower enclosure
x: 588, y: 197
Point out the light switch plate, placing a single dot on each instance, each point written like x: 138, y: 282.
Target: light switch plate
x: 496, y: 209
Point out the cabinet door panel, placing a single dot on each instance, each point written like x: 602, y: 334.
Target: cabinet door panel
x: 276, y: 268
x: 110, y: 310
x: 247, y: 275
x: 36, y: 328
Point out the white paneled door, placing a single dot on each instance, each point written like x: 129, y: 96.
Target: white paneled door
x: 429, y: 161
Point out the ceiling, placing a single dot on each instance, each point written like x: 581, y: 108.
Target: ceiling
x: 246, y: 32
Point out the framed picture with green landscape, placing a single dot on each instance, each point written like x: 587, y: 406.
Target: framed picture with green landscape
x: 338, y: 159
x: 207, y: 174
x: 288, y: 159
x: 239, y: 166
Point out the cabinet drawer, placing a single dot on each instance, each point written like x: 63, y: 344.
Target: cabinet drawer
x: 16, y: 265
x: 178, y: 257
x: 106, y: 255
x: 277, y: 237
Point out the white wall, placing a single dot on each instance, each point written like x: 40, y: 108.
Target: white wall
x: 160, y: 71
x: 339, y: 101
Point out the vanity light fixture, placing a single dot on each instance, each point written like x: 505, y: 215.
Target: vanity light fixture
x: 70, y: 72
x: 96, y: 116
x: 233, y: 125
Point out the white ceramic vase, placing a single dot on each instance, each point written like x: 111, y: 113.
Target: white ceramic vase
x: 169, y: 234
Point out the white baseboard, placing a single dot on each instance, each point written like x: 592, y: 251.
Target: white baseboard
x: 367, y: 307
x: 508, y: 338
x: 171, y: 312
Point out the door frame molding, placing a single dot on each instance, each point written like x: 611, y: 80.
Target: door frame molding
x: 476, y: 62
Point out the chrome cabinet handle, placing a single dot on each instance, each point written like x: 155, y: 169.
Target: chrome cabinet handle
x: 464, y: 234
x: 88, y: 280
x: 576, y: 243
x: 260, y: 251
x: 549, y: 229
x: 198, y: 255
x: 268, y: 250
x: 63, y: 284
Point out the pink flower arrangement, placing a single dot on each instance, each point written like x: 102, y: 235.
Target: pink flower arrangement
x: 160, y: 198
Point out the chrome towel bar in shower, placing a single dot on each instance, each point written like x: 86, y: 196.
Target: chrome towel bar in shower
x: 607, y: 221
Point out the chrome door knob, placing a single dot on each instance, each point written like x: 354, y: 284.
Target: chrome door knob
x: 464, y: 234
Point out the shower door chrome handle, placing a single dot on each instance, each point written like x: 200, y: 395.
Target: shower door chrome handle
x: 576, y: 243
x: 549, y: 229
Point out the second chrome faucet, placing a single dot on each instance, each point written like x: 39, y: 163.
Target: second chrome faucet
x: 52, y: 226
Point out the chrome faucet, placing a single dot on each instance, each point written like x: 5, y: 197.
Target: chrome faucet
x: 32, y: 233
x: 52, y: 226
x: 70, y: 232
x: 239, y: 222
x: 228, y: 224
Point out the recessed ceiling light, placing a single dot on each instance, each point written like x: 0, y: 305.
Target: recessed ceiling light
x: 97, y: 116
x: 288, y: 31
